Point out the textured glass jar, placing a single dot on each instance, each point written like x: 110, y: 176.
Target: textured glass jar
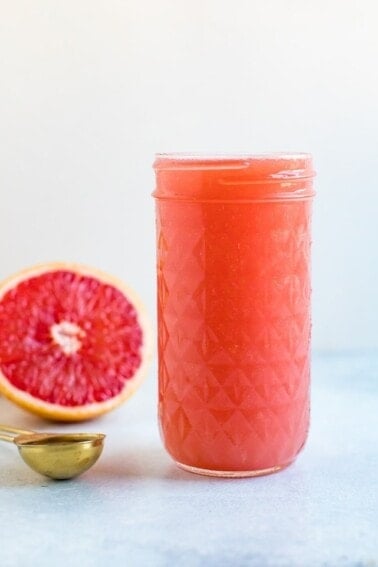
x: 233, y: 273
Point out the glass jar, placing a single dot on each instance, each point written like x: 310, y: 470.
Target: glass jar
x: 233, y: 277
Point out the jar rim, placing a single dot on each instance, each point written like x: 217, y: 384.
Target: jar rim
x: 214, y: 156
x: 276, y: 165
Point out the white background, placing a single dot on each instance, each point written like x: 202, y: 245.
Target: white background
x: 90, y: 89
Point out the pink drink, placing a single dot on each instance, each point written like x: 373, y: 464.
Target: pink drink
x: 234, y: 310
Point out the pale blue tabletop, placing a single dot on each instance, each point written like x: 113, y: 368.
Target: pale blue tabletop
x: 135, y: 508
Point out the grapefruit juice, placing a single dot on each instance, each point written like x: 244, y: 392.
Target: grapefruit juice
x: 233, y: 277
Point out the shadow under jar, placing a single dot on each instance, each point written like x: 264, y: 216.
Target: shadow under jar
x: 233, y: 277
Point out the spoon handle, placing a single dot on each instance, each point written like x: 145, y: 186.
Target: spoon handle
x: 7, y: 438
x: 10, y: 433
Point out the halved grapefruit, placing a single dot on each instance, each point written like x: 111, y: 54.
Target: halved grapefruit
x: 74, y: 342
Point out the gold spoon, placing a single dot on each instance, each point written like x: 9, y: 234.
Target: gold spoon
x: 56, y: 455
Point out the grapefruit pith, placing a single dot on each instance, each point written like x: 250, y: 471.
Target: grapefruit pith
x: 74, y: 341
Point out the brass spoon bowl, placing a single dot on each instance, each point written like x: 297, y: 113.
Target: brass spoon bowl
x: 58, y: 456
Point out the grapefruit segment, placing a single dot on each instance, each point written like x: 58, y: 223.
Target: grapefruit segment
x: 74, y: 342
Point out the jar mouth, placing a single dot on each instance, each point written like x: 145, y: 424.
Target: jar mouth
x: 234, y: 177
x: 274, y: 166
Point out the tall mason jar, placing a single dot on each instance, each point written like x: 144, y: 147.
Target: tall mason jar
x: 233, y: 279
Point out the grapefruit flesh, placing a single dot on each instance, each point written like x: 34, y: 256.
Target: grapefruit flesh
x: 73, y: 341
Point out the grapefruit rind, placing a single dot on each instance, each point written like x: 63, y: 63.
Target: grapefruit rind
x: 57, y: 412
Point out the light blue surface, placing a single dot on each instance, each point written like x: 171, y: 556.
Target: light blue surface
x: 135, y: 508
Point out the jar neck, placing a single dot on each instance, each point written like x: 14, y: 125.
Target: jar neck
x: 234, y: 178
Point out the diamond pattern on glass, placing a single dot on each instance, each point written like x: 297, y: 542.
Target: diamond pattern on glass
x: 234, y: 350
